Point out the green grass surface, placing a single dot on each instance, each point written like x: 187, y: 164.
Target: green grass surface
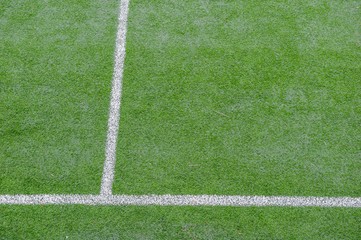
x: 81, y: 222
x: 241, y: 97
x: 220, y: 97
x: 56, y: 62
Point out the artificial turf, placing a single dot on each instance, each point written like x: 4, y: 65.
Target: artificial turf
x: 56, y: 69
x: 99, y: 222
x: 241, y: 98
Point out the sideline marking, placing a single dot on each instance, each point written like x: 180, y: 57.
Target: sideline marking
x: 114, y: 109
x: 181, y: 200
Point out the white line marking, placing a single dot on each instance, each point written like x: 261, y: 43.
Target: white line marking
x: 114, y: 110
x: 106, y: 197
x: 181, y: 200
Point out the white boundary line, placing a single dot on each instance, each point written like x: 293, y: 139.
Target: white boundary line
x: 180, y: 200
x: 106, y: 197
x: 114, y: 109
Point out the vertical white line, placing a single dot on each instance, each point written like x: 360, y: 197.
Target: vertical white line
x: 114, y: 110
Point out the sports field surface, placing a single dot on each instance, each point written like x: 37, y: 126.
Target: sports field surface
x: 194, y: 119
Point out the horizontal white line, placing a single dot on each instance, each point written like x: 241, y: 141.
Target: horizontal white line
x: 181, y: 200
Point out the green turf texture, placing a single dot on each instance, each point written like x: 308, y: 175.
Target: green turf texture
x: 242, y: 98
x: 84, y: 222
x: 56, y: 62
